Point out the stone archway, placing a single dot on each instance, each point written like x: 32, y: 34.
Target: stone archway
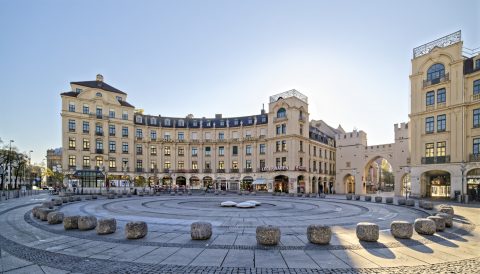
x: 436, y: 184
x: 194, y: 182
x: 473, y: 184
x: 280, y: 183
x: 349, y: 181
x: 378, y: 175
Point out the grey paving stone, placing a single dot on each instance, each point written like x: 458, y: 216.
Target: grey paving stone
x: 158, y: 255
x: 269, y: 259
x: 298, y: 259
x: 325, y: 259
x: 210, y: 257
x: 239, y: 258
x: 184, y: 256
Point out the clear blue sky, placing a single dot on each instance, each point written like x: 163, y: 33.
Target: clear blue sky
x: 351, y: 58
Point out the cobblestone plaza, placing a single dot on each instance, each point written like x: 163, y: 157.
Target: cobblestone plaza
x: 32, y: 246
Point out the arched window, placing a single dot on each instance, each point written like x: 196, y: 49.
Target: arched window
x: 281, y: 113
x: 99, y: 94
x: 436, y: 71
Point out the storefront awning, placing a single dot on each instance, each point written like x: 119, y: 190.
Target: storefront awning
x: 260, y: 181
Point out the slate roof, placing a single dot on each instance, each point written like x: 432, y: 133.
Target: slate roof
x: 70, y: 93
x: 100, y: 85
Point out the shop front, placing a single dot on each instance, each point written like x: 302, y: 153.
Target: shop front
x: 473, y: 184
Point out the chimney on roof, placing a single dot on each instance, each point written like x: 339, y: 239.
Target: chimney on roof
x: 99, y: 78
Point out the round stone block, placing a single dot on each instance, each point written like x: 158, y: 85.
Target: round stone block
x: 94, y: 197
x: 447, y: 209
x: 378, y: 199
x: 136, y: 230
x: 389, y: 200
x: 121, y: 196
x: 291, y: 194
x: 87, y: 222
x: 368, y: 198
x: 256, y: 203
x: 70, y: 222
x: 367, y: 232
x: 439, y: 222
x: 106, y: 226
x: 401, y: 229
x: 78, y: 198
x: 228, y: 204
x: 130, y: 195
x: 410, y: 202
x: 322, y: 195
x: 55, y: 218
x: 424, y: 226
x: 65, y: 200
x: 427, y: 205
x: 201, y: 231
x: 245, y: 205
x: 268, y: 235
x: 420, y: 203
x: 401, y: 201
x: 88, y: 197
x: 48, y: 204
x: 35, y: 211
x: 357, y: 197
x: 447, y: 217
x: 349, y: 196
x: 224, y: 193
x: 43, y: 213
x: 172, y: 193
x: 71, y: 199
x: 57, y: 202
x: 111, y: 196
x: 319, y: 234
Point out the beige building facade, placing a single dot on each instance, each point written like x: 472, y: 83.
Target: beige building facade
x: 445, y: 119
x: 278, y: 149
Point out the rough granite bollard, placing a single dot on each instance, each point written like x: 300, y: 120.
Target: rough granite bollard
x: 70, y: 222
x: 448, y: 218
x: 268, y: 235
x: 43, y: 213
x: 78, y: 198
x: 425, y: 226
x: 106, y: 226
x: 389, y: 200
x: 420, y: 203
x: 410, y: 202
x: 439, y: 222
x: 349, y: 196
x: 367, y: 232
x: 57, y: 202
x: 71, y: 199
x: 401, y: 201
x: 322, y: 196
x: 55, y: 218
x: 447, y: 209
x: 48, y: 205
x: 111, y: 196
x: 136, y: 230
x: 88, y: 197
x: 401, y: 229
x: 378, y: 199
x: 87, y: 222
x: 94, y: 197
x: 319, y: 234
x: 368, y: 198
x: 357, y: 197
x: 427, y: 205
x: 201, y: 231
x: 35, y: 211
x: 65, y: 200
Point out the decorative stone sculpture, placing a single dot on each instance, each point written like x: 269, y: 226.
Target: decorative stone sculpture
x: 106, y: 226
x: 57, y: 202
x: 401, y: 229
x: 319, y: 234
x: 268, y: 235
x: 70, y: 222
x: 35, y: 211
x: 136, y: 230
x: 447, y: 209
x: 87, y: 222
x: 55, y: 218
x: 201, y: 231
x: 367, y: 232
x: 424, y: 226
x: 439, y: 222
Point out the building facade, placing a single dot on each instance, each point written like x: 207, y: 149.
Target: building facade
x: 445, y: 119
x: 276, y: 150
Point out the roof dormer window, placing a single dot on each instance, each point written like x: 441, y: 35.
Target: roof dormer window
x: 138, y: 119
x: 78, y: 90
x: 99, y: 94
x: 119, y: 98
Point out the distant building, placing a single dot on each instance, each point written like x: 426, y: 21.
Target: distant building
x: 54, y: 160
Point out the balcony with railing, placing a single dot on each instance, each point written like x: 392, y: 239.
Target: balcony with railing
x: 139, y: 169
x: 166, y: 170
x: 442, y: 79
x: 99, y: 151
x: 220, y: 170
x: 112, y: 169
x: 248, y: 170
x: 476, y: 97
x: 435, y: 160
x: 194, y: 170
x: 207, y: 170
x: 234, y: 170
x: 474, y: 157
x: 153, y: 170
x: 98, y: 133
x: 86, y: 167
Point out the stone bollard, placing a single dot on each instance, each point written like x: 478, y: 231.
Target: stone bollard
x: 367, y: 198
x: 367, y: 232
x: 94, y: 197
x: 427, y: 205
x: 322, y: 196
x: 88, y: 197
x: 70, y: 222
x: 119, y: 196
x: 420, y: 203
x: 319, y: 234
x: 43, y: 213
x: 106, y: 226
x: 357, y: 197
x: 401, y: 201
x: 35, y: 210
x: 378, y: 199
x: 291, y: 194
x: 65, y: 200
x: 71, y: 199
x: 172, y: 193
x: 349, y: 196
x: 55, y: 217
x: 268, y: 235
x: 439, y: 222
x: 129, y: 195
x: 389, y: 200
x: 48, y: 205
x: 111, y: 196
x: 78, y: 198
x: 448, y: 218
x: 136, y: 230
x: 57, y: 202
x: 447, y: 209
x: 201, y: 231
x: 87, y: 222
x: 425, y: 226
x: 401, y: 229
x: 410, y: 202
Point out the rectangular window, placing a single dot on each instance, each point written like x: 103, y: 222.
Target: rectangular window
x: 153, y: 150
x: 86, y: 144
x: 441, y: 96
x: 262, y: 148
x: 112, y: 163
x: 167, y: 165
x: 441, y: 148
x: 139, y: 133
x: 166, y: 136
x: 248, y: 164
x: 139, y: 164
x: 429, y: 150
x: 125, y: 115
x: 301, y: 146
x: 284, y: 129
x: 284, y: 161
x: 124, y: 131
x: 86, y: 161
x: 124, y: 147
x: 248, y: 134
x: 180, y: 165
x: 72, y: 160
x: 181, y: 151
x: 277, y: 146
x: 194, y: 165
x: 208, y: 165
x: 441, y: 123
x: 111, y: 113
x: 262, y: 164
x: 221, y: 136
x: 99, y: 144
x: 99, y: 112
x: 314, y: 151
x: 71, y: 107
x: 71, y: 125
x: 124, y: 164
x: 166, y: 151
x: 248, y: 150
x: 208, y: 151
x: 194, y: 151
x: 111, y: 130
x: 277, y: 162
x: 221, y: 165
x: 194, y: 136
x: 429, y: 126
x: 208, y: 136
x: 181, y: 136
x: 153, y: 135
x: 86, y: 109
x: 221, y: 151
x: 476, y: 87
x: 279, y: 130
x: 284, y: 145
x: 235, y: 150
x: 430, y: 98
x: 71, y: 143
x: 476, y: 146
x: 112, y: 146
x: 476, y: 117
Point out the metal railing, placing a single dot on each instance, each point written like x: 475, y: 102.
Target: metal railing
x: 441, y: 79
x: 436, y: 160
